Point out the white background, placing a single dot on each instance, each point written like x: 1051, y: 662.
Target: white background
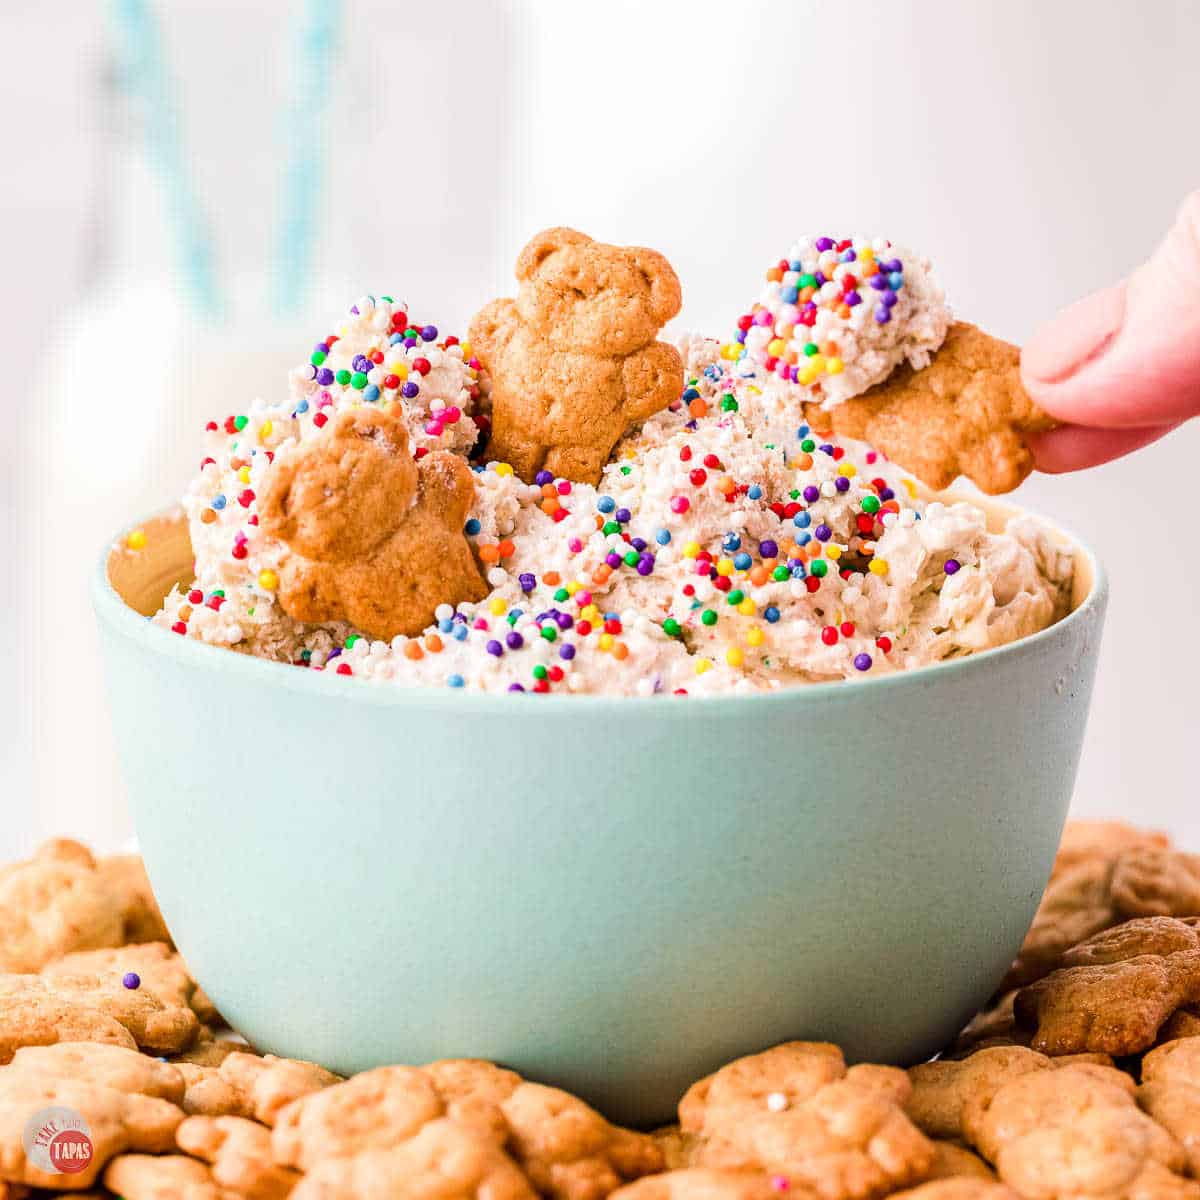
x: 1034, y: 150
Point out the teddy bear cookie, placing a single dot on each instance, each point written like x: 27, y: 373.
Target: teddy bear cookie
x: 373, y: 537
x: 573, y: 361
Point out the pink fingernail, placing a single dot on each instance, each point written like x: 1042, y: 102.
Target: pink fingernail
x: 1077, y: 336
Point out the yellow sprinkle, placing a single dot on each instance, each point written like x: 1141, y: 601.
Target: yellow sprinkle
x: 504, y: 469
x: 589, y: 612
x: 834, y: 366
x: 136, y: 540
x: 734, y: 656
x: 691, y: 549
x: 702, y: 665
x: 606, y: 641
x: 754, y: 391
x: 848, y: 469
x: 724, y: 566
x: 878, y: 566
x: 264, y: 431
x: 746, y: 607
x: 466, y: 349
x: 776, y: 346
x: 910, y: 487
x: 244, y: 474
x: 806, y: 375
x: 833, y: 551
x: 755, y: 637
x: 498, y: 607
x: 573, y: 587
x: 817, y: 362
x: 730, y: 350
x: 268, y: 580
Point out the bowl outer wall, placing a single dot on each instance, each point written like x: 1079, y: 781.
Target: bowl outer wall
x: 612, y: 895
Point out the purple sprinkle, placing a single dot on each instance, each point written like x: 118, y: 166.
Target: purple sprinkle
x: 826, y: 448
x: 893, y: 265
x: 563, y: 620
x: 879, y: 283
x: 324, y: 376
x: 823, y: 244
x: 889, y: 298
x: 566, y: 651
x: 132, y: 981
x: 638, y: 543
x: 613, y: 559
x: 354, y: 310
x: 514, y: 640
x: 822, y: 533
x: 768, y: 549
x: 849, y: 256
x: 852, y: 299
x: 741, y: 335
x: 409, y: 390
x: 622, y: 515
x: 428, y: 333
x: 361, y: 363
x: 334, y: 653
x: 810, y: 306
x: 951, y: 566
x: 812, y: 494
x: 542, y: 478
x: 515, y: 687
x: 842, y: 483
x: 494, y: 648
x: 527, y: 581
x: 819, y: 276
x: 645, y: 565
x: 887, y: 494
x: 862, y: 662
x: 882, y: 315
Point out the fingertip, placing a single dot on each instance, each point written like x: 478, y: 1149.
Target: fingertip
x: 1077, y: 447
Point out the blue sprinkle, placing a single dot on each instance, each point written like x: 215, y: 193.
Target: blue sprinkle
x: 370, y: 392
x: 771, y: 613
x: 798, y: 571
x: 662, y: 537
x: 690, y: 394
x: 219, y: 502
x: 472, y: 527
x: 895, y: 281
x: 802, y: 520
x: 445, y: 625
x: 789, y: 295
x: 302, y: 407
x: 455, y: 681
x: 755, y: 492
x: 605, y: 504
x: 802, y: 432
x: 460, y: 633
x: 396, y: 337
x: 804, y: 539
x: 743, y: 561
x: 731, y: 542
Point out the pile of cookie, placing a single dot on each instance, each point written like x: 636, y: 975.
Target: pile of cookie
x: 1082, y: 1080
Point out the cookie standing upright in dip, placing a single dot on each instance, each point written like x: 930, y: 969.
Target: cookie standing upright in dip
x: 727, y: 546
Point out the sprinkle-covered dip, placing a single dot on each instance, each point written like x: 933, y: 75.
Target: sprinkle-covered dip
x: 727, y: 548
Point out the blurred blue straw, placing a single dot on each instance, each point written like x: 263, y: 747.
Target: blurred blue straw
x: 304, y: 138
x: 148, y: 76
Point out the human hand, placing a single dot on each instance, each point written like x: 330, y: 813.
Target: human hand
x: 1121, y: 367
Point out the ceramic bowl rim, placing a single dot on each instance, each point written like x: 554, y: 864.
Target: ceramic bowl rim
x: 192, y: 654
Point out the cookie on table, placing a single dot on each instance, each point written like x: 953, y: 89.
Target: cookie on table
x: 711, y: 1183
x: 163, y: 1177
x: 1170, y: 1093
x: 245, y: 1084
x: 574, y: 361
x: 372, y: 536
x: 238, y: 1153
x: 105, y: 1066
x: 1157, y: 881
x: 797, y: 1111
x: 960, y: 1187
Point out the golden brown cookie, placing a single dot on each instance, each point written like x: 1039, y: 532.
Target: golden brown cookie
x: 796, y: 1111
x: 966, y: 413
x: 1076, y: 1132
x: 247, y: 1085
x: 712, y: 1183
x: 1132, y: 979
x: 125, y: 876
x: 116, y: 1122
x: 239, y: 1153
x: 951, y: 1160
x: 53, y: 904
x: 961, y: 1187
x: 1155, y: 881
x: 442, y: 1161
x: 993, y: 1026
x: 373, y: 537
x: 160, y: 971
x: 677, y: 1147
x: 163, y: 1177
x: 573, y: 361
x: 83, y: 1008
x: 941, y: 1088
x: 1088, y: 839
x: 105, y: 1066
x: 209, y: 1051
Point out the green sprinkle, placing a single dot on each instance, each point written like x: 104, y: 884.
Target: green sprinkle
x: 358, y: 380
x: 671, y: 627
x: 820, y: 568
x: 794, y: 494
x: 735, y: 597
x: 806, y: 281
x: 728, y: 403
x: 708, y: 617
x: 626, y: 470
x: 306, y: 655
x: 540, y: 672
x: 549, y: 632
x: 561, y: 595
x: 810, y: 349
x: 870, y: 504
x: 318, y: 358
x: 387, y: 299
x: 780, y: 574
x: 240, y: 423
x: 610, y: 527
x: 343, y: 377
x: 351, y: 640
x: 808, y: 445
x: 631, y: 558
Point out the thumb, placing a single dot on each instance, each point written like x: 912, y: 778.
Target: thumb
x: 1127, y: 356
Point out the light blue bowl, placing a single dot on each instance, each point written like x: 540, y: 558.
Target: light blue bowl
x: 614, y: 895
